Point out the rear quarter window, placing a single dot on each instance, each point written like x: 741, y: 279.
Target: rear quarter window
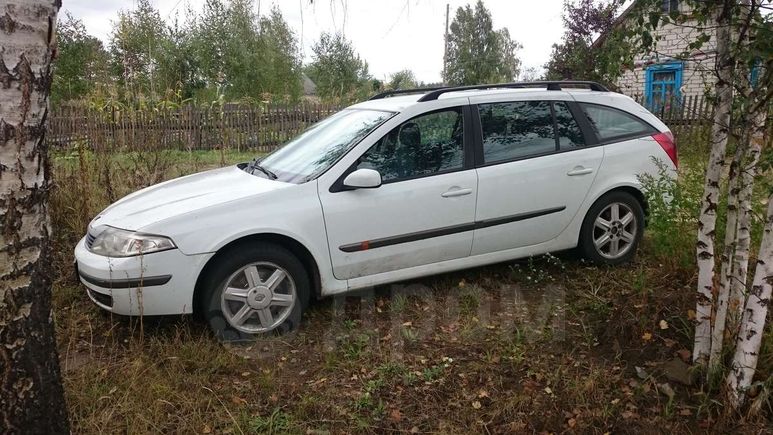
x: 610, y: 123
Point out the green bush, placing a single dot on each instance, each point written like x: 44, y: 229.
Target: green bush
x: 672, y: 214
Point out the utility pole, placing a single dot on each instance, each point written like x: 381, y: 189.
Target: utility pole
x: 445, y: 49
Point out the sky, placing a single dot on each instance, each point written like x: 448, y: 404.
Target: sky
x: 390, y: 35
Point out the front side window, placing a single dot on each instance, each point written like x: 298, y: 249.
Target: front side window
x: 323, y: 144
x: 611, y: 123
x: 428, y: 144
x: 516, y: 130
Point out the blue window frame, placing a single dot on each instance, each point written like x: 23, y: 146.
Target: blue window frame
x: 754, y: 75
x: 662, y: 85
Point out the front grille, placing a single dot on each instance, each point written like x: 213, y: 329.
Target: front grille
x: 90, y: 239
x: 105, y: 300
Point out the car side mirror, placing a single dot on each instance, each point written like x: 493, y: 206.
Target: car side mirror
x: 363, y: 179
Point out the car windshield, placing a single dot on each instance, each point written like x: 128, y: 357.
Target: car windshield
x: 321, y: 145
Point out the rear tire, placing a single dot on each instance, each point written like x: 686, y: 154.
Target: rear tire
x: 253, y: 290
x: 612, y: 229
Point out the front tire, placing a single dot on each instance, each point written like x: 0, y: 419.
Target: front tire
x: 612, y: 229
x: 255, y: 289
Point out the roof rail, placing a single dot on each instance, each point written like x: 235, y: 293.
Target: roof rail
x: 552, y: 85
x: 404, y: 92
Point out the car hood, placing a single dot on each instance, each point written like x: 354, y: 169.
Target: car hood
x: 184, y: 195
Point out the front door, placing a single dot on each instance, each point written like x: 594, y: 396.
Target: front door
x: 424, y: 210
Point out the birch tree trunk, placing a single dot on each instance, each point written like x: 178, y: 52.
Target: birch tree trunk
x: 753, y: 321
x: 728, y: 249
x: 31, y: 394
x: 743, y: 231
x: 708, y: 215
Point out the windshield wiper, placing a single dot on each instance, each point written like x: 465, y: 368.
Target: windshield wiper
x: 254, y: 165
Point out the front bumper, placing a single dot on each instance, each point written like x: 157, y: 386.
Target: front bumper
x: 160, y: 283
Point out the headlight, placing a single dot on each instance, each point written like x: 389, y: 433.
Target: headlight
x: 115, y: 242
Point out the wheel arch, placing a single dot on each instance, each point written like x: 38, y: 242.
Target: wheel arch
x: 632, y: 190
x: 294, y: 246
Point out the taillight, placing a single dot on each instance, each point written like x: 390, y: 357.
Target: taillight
x: 666, y: 141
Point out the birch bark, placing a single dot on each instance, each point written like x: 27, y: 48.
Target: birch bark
x: 31, y: 394
x: 708, y: 215
x: 753, y: 321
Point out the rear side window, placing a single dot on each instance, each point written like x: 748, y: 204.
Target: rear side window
x: 611, y: 123
x: 515, y: 130
x: 569, y: 133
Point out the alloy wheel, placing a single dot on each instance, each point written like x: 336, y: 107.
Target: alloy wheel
x: 614, y: 230
x: 258, y: 297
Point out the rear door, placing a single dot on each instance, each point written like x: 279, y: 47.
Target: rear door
x: 534, y: 170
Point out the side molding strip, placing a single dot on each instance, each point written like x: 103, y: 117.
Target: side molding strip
x: 445, y: 231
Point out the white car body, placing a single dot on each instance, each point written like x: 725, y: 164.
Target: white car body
x: 544, y: 200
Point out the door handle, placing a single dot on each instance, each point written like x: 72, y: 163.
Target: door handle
x: 579, y: 170
x: 453, y: 192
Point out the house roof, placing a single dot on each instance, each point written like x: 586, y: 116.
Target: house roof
x: 309, y: 87
x: 620, y: 18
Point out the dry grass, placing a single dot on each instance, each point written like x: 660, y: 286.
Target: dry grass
x: 464, y: 356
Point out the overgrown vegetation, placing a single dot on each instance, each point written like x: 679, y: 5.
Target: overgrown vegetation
x: 547, y: 344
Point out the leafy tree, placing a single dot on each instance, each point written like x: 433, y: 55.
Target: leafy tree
x: 530, y: 74
x: 337, y: 69
x: 138, y: 45
x: 476, y: 52
x: 81, y: 62
x: 576, y: 57
x: 402, y: 80
x: 281, y: 56
x: 241, y: 55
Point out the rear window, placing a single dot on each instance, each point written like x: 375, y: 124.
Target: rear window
x: 612, y: 123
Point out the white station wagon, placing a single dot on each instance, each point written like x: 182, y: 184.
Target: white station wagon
x: 404, y: 185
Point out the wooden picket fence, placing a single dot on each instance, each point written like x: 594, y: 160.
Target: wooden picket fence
x: 262, y: 127
x: 234, y: 126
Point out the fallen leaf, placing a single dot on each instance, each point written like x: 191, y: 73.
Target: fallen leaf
x: 408, y: 324
x: 666, y: 389
x: 206, y: 429
x: 647, y: 336
x: 684, y: 354
x: 615, y: 401
x: 548, y: 390
x: 572, y: 422
x: 238, y: 400
x: 641, y: 373
x: 691, y: 315
x: 395, y: 415
x: 476, y: 405
x: 482, y: 394
x: 663, y: 324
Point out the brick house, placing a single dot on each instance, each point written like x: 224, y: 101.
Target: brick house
x: 664, y: 74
